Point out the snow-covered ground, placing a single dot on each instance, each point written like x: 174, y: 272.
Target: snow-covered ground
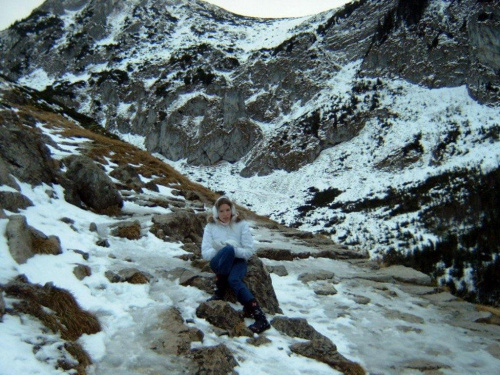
x: 387, y: 327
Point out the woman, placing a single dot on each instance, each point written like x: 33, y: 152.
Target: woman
x: 228, y: 244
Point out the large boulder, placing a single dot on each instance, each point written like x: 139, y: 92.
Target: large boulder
x: 25, y: 156
x: 14, y: 201
x: 89, y: 186
x: 182, y: 225
x: 25, y: 241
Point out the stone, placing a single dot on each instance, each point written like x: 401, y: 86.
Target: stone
x: 183, y: 225
x: 128, y: 175
x: 278, y: 270
x: 175, y: 337
x: 406, y: 275
x: 406, y: 317
x: 213, y: 360
x: 129, y: 230
x: 325, y: 290
x: 43, y: 244
x: 223, y: 316
x: 19, y: 239
x: 19, y: 147
x: 14, y: 201
x: 103, y: 242
x: 2, y: 306
x: 88, y: 186
x: 325, y: 351
x: 81, y: 271
x: 316, y: 276
x: 296, y: 327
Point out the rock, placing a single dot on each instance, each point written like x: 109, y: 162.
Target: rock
x: 259, y: 340
x: 406, y: 275
x: 325, y: 351
x: 280, y: 254
x: 5, y: 177
x: 278, y: 270
x: 260, y: 284
x: 20, y: 146
x: 2, y: 306
x: 183, y: 225
x: 128, y: 175
x: 151, y: 186
x: 296, y: 327
x: 81, y: 271
x: 222, y: 315
x: 176, y: 336
x: 14, y: 201
x: 325, y: 290
x: 84, y: 254
x: 424, y: 365
x: 316, y: 276
x: 128, y: 230
x: 25, y: 241
x: 361, y: 300
x: 43, y: 244
x: 102, y: 242
x: 3, y: 215
x: 213, y: 360
x: 87, y: 185
x: 398, y: 315
x: 128, y: 275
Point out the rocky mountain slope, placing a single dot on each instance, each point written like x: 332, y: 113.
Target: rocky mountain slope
x: 101, y: 273
x: 202, y: 85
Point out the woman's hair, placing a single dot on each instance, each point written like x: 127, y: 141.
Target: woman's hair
x: 215, y: 210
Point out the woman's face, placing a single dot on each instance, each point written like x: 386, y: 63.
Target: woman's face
x: 225, y: 213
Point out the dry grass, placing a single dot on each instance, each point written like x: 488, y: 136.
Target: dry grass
x: 102, y: 148
x: 67, y: 317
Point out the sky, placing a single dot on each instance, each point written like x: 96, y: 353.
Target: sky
x: 16, y: 10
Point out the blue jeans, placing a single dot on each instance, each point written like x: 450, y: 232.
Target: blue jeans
x: 225, y: 263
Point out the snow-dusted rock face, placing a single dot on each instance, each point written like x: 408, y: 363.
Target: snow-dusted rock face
x: 204, y: 85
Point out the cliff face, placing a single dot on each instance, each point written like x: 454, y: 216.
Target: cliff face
x: 196, y: 80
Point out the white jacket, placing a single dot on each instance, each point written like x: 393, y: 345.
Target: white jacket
x: 217, y: 235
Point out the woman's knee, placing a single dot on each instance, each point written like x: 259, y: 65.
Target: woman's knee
x: 228, y: 250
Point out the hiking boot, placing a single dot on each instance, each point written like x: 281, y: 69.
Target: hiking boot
x: 261, y: 324
x: 221, y: 285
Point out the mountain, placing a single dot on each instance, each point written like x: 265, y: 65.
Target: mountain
x: 376, y: 124
x: 100, y: 273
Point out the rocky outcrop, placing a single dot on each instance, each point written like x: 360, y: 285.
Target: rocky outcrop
x: 220, y: 103
x: 175, y: 335
x: 318, y: 347
x: 183, y: 225
x: 214, y: 360
x: 19, y: 146
x: 89, y: 186
x: 25, y: 241
x: 223, y: 316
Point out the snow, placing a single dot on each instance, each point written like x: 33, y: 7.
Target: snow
x: 371, y: 334
x: 430, y: 114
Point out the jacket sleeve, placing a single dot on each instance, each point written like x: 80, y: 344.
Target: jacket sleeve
x: 207, y: 250
x: 245, y: 249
